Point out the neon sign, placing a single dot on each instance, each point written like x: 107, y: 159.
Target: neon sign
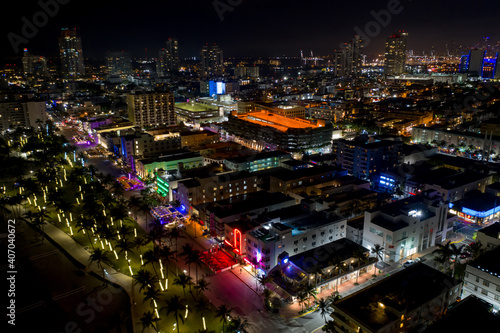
x: 237, y: 244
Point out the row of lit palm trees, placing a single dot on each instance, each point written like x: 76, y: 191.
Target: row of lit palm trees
x: 100, y: 211
x: 176, y: 305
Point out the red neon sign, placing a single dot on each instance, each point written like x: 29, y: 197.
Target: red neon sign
x: 236, y: 232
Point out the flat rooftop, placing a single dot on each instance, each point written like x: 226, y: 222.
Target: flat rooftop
x: 477, y: 201
x: 195, y: 107
x: 276, y: 121
x: 241, y: 204
x: 287, y: 174
x: 470, y: 307
x: 489, y: 262
x: 491, y: 230
x: 403, y: 292
x: 321, y: 256
x: 259, y: 156
x: 173, y: 155
x: 459, y: 180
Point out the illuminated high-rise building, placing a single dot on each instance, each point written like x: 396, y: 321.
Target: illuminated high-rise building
x: 353, y: 57
x: 349, y: 60
x: 490, y: 67
x: 473, y: 63
x: 212, y: 60
x: 496, y: 76
x: 118, y: 64
x: 154, y: 109
x: 395, y: 54
x: 168, y: 58
x: 70, y: 51
x: 34, y: 65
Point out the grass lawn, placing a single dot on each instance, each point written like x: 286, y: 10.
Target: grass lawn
x: 192, y: 323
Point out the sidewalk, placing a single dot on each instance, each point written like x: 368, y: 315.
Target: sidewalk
x: 365, y: 280
x: 81, y: 256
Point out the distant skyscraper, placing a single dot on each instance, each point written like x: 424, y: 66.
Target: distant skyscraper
x: 395, y: 54
x: 473, y: 62
x: 338, y: 63
x: 70, y: 51
x: 353, y: 56
x: 34, y: 65
x: 476, y: 62
x: 349, y: 61
x: 118, y: 64
x: 497, y: 67
x: 168, y: 58
x: 212, y: 60
x: 151, y: 109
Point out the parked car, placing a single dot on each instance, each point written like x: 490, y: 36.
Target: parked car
x: 409, y: 263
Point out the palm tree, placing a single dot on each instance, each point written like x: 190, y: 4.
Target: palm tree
x: 266, y: 294
x: 324, y: 307
x: 194, y: 258
x: 152, y: 295
x: 456, y: 252
x: 336, y: 264
x: 224, y: 313
x: 318, y: 272
x: 151, y: 256
x: 202, y: 286
x: 183, y: 280
x: 39, y: 221
x: 377, y: 250
x: 187, y: 251
x: 443, y: 253
x: 175, y: 305
x: 310, y: 292
x: 166, y: 256
x: 149, y: 320
x: 475, y: 249
x: 195, y: 219
x: 99, y: 257
x: 302, y: 297
x: 85, y: 224
x: 264, y: 279
x: 360, y: 257
x: 239, y: 324
x: 201, y: 305
x: 139, y: 242
x: 174, y: 233
x: 134, y: 204
x: 145, y: 208
x: 145, y: 279
x: 124, y: 230
x: 125, y: 246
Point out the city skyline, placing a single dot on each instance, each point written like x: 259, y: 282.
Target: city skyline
x: 248, y: 29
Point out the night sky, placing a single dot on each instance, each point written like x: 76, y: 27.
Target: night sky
x: 253, y: 27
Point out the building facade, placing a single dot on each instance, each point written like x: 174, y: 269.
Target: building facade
x: 257, y: 162
x: 70, y: 52
x: 23, y: 114
x: 168, y: 58
x: 482, y: 278
x: 367, y: 159
x: 407, y: 226
x: 395, y: 54
x: 212, y: 60
x: 151, y: 109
